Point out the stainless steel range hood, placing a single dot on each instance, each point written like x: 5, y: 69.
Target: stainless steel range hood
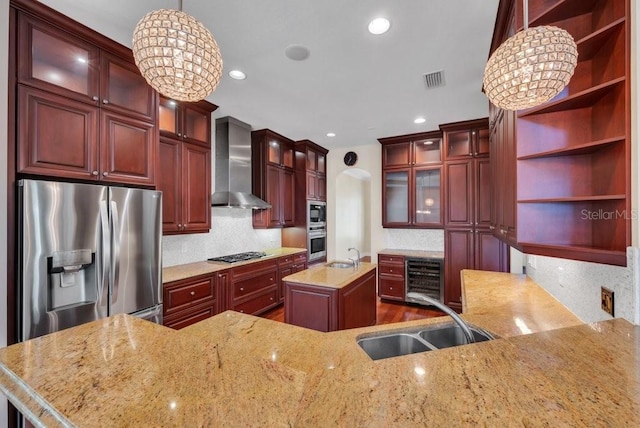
x: 233, y: 166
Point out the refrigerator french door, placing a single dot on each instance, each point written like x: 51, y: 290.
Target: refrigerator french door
x: 86, y: 252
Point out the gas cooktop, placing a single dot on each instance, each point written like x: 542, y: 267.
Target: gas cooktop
x: 233, y: 258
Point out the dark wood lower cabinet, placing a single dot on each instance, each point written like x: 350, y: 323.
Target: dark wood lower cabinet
x: 470, y: 249
x: 190, y: 300
x: 330, y: 309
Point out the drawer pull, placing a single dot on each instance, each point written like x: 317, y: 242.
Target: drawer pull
x: 241, y: 288
x: 193, y: 293
x: 242, y: 311
x: 390, y: 288
x: 271, y: 298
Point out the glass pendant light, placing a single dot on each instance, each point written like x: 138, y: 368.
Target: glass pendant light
x: 177, y: 54
x: 531, y: 67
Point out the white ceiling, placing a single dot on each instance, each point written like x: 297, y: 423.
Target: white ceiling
x: 360, y: 86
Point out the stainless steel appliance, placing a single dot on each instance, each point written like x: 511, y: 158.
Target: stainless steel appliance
x: 425, y: 277
x: 316, y: 243
x: 86, y: 252
x: 239, y: 257
x: 316, y: 214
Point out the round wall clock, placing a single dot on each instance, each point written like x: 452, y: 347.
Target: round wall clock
x: 350, y: 158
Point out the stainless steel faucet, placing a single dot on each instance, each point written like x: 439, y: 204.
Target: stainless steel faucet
x: 356, y: 262
x: 447, y: 310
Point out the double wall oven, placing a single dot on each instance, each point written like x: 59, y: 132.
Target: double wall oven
x: 316, y: 230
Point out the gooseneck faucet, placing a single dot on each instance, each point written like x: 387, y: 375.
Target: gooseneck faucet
x: 447, y: 310
x: 356, y: 262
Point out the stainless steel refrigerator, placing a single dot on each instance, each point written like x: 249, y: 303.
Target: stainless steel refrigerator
x: 86, y: 252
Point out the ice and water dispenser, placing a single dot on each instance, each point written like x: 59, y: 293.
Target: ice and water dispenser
x: 72, y: 279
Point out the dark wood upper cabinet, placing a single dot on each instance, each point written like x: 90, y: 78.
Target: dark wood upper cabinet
x: 412, y: 176
x: 190, y: 122
x: 185, y: 167
x: 273, y: 179
x: 83, y: 109
x: 467, y: 139
x: 569, y: 191
x: 311, y: 172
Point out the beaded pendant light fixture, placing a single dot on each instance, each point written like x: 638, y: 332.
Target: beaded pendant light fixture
x: 531, y: 67
x: 177, y: 55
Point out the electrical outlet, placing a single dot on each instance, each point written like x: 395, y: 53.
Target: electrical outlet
x: 606, y: 300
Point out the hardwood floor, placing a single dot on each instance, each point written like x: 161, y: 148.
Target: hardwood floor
x: 386, y: 312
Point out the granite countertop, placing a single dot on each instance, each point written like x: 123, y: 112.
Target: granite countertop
x: 328, y: 277
x: 240, y: 370
x: 175, y: 273
x: 413, y: 253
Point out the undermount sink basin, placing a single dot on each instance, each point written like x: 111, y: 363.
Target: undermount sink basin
x: 392, y: 345
x: 387, y: 345
x: 451, y: 335
x: 339, y: 265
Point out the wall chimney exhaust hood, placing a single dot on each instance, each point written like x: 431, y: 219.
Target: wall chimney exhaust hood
x: 233, y: 166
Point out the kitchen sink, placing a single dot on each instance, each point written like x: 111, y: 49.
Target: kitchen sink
x: 392, y: 345
x: 387, y: 345
x: 340, y: 265
x: 451, y: 335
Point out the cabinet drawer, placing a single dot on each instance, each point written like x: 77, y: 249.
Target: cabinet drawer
x: 259, y: 303
x: 391, y: 269
x: 300, y: 258
x: 189, y: 317
x: 253, y: 284
x: 181, y: 295
x: 391, y: 288
x: 251, y: 269
x: 386, y: 259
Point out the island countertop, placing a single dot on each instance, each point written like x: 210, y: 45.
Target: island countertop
x: 240, y: 370
x: 328, y: 277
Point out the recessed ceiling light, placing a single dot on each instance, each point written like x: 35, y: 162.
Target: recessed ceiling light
x: 331, y: 134
x: 419, y: 120
x: 379, y: 26
x: 237, y: 74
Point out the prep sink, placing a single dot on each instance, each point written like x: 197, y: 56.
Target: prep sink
x: 339, y: 265
x: 387, y: 345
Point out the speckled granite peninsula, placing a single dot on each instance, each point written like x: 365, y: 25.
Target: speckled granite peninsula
x: 240, y: 370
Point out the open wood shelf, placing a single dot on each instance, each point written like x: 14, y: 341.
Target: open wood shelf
x: 563, y: 9
x: 582, y: 99
x: 590, y: 44
x: 576, y: 252
x: 579, y: 149
x: 590, y: 198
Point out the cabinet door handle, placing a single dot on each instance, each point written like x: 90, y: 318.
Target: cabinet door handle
x: 193, y: 293
x: 105, y: 101
x: 242, y: 311
x: 179, y: 134
x: 184, y: 136
x: 390, y: 288
x: 95, y: 98
x: 241, y: 288
x: 492, y: 227
x: 271, y: 298
x: 104, y: 174
x: 94, y: 173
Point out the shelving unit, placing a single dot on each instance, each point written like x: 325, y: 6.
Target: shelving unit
x: 573, y: 153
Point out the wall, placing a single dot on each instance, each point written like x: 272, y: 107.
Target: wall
x: 353, y: 193
x: 4, y: 77
x: 231, y: 232
x: 577, y: 284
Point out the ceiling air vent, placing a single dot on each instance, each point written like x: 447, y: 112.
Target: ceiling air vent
x: 434, y: 79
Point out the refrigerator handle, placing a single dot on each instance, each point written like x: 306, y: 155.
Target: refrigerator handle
x: 115, y: 260
x: 106, y: 247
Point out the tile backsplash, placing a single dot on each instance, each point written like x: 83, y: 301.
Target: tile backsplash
x: 231, y: 232
x: 577, y: 284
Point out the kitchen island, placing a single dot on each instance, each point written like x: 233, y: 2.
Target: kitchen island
x: 327, y: 298
x: 548, y: 369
